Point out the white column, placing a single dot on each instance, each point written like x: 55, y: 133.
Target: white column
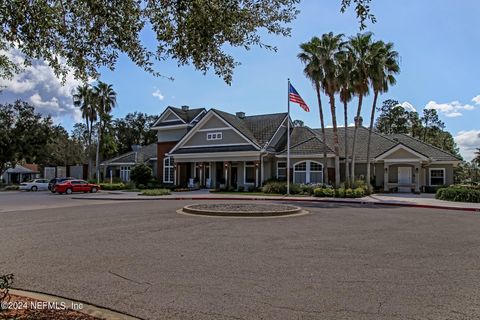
x: 385, y: 176
x: 417, y: 169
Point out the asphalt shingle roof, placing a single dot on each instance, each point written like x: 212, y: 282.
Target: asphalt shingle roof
x: 423, y: 148
x: 258, y: 128
x: 142, y: 155
x: 381, y: 143
x: 304, y: 141
x: 187, y: 115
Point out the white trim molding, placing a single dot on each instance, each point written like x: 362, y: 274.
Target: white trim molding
x: 307, y: 170
x: 211, y: 113
x: 283, y: 168
x: 430, y: 176
x: 398, y: 147
x: 216, y: 145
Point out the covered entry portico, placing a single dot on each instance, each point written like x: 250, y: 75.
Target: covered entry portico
x: 218, y: 170
x: 403, y: 169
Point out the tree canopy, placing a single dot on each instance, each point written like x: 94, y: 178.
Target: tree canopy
x: 428, y: 128
x: 86, y: 35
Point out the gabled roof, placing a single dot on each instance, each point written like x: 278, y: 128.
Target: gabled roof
x: 258, y: 128
x: 381, y: 143
x: 187, y: 115
x: 20, y: 169
x: 184, y: 116
x: 141, y: 155
x: 424, y: 148
x: 304, y: 141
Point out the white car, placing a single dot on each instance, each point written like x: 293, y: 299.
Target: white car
x: 35, y: 185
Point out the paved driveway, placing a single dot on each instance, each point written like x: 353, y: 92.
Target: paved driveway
x: 339, y: 262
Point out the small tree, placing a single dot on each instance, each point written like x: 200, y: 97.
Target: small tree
x: 141, y: 174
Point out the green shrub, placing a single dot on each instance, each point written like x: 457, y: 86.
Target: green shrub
x: 155, y: 192
x: 275, y: 187
x: 281, y: 188
x: 324, y: 192
x: 460, y: 194
x: 348, y: 193
x: 112, y: 186
x: 359, y: 192
x: 141, y: 174
x: 340, y: 193
x: 241, y: 188
x: 432, y: 189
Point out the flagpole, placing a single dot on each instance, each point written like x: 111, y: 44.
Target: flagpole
x: 288, y: 138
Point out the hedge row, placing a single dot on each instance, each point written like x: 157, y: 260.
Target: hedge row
x: 113, y: 186
x: 340, y: 193
x: 460, y: 194
x: 317, y: 190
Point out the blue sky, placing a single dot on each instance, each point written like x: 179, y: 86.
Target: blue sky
x: 438, y: 42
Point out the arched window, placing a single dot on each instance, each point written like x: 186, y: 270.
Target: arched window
x: 308, y: 172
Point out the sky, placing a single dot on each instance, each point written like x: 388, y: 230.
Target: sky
x: 438, y: 42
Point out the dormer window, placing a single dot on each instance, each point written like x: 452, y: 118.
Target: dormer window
x: 214, y: 136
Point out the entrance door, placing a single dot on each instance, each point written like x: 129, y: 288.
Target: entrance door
x: 404, y: 179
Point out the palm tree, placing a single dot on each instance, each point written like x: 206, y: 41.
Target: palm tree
x: 330, y: 52
x: 359, y: 50
x: 477, y: 154
x: 314, y: 72
x: 83, y: 98
x: 105, y: 101
x: 383, y: 67
x: 346, y: 94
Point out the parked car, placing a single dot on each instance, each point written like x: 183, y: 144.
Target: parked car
x: 35, y: 185
x: 55, y: 181
x: 70, y: 186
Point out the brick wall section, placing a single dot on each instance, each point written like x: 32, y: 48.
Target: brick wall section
x: 162, y: 148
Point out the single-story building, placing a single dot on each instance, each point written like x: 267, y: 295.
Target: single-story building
x: 220, y: 149
x: 20, y: 173
x: 119, y: 167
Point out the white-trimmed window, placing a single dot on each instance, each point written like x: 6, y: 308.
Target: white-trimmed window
x: 125, y: 173
x: 249, y: 171
x: 308, y: 172
x: 168, y: 170
x: 281, y: 170
x: 437, y: 176
x: 214, y: 136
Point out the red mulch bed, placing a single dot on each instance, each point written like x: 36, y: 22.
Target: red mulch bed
x: 25, y: 311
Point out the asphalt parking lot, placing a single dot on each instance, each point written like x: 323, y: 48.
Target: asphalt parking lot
x: 338, y: 262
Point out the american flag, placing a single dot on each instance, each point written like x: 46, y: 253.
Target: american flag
x: 293, y: 96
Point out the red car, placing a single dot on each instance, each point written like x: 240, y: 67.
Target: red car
x: 70, y: 186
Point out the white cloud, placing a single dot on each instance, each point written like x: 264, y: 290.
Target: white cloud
x: 158, y: 94
x: 468, y: 142
x: 39, y: 85
x: 476, y: 99
x: 408, y: 106
x: 452, y: 109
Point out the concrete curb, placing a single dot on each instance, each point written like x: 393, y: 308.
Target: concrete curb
x: 87, y: 308
x: 191, y: 209
x: 362, y: 202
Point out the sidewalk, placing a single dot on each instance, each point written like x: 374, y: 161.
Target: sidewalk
x: 408, y: 200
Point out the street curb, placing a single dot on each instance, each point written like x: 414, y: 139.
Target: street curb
x: 380, y: 203
x: 87, y: 308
